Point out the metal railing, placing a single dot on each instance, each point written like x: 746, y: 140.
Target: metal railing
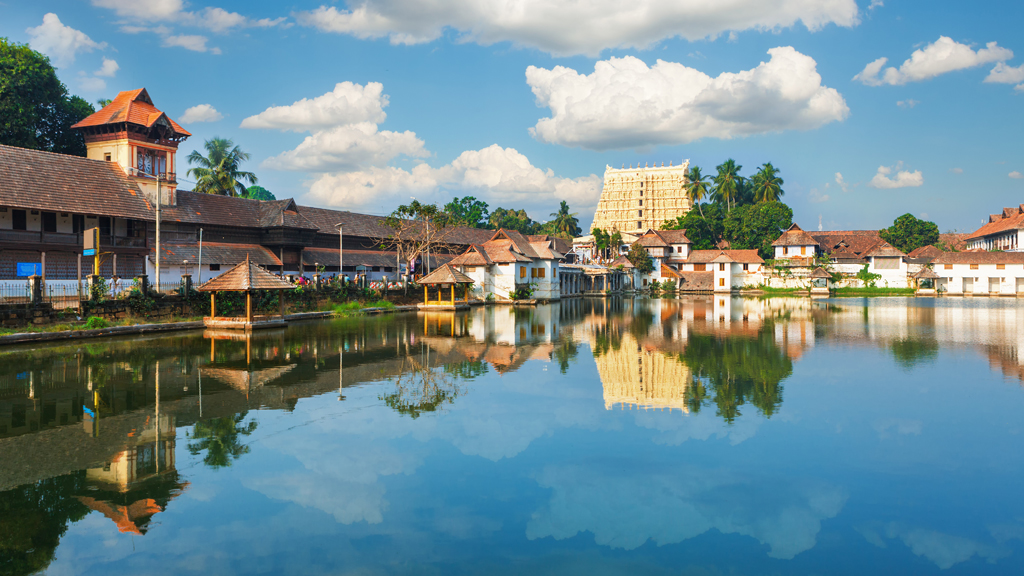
x: 15, y: 294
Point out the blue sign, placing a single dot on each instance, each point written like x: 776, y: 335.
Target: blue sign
x: 89, y: 252
x: 26, y: 269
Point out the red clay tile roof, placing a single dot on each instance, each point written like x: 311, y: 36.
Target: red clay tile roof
x: 1009, y: 219
x: 246, y: 275
x: 473, y: 256
x: 518, y: 241
x: 883, y: 250
x: 925, y: 273
x: 819, y: 272
x: 953, y: 240
x: 133, y: 106
x: 929, y: 251
x: 742, y: 256
x: 446, y: 274
x: 674, y: 236
x: 546, y: 251
x: 980, y: 258
x: 697, y: 281
x: 562, y: 245
x: 37, y: 180
x: 215, y: 253
x: 850, y: 243
x: 282, y: 214
x: 621, y: 261
x: 795, y: 236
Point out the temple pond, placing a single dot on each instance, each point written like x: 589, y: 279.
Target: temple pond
x: 605, y: 436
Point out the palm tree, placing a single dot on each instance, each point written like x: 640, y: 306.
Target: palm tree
x: 767, y: 186
x: 728, y: 183
x: 565, y: 224
x: 218, y: 173
x: 221, y: 439
x: 601, y: 239
x: 698, y: 188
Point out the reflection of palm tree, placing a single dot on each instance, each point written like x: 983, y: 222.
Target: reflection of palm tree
x: 565, y: 354
x: 220, y: 438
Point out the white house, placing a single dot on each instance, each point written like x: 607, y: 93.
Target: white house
x: 890, y: 264
x: 980, y: 273
x: 732, y: 269
x: 795, y: 244
x: 1003, y: 231
x: 509, y: 261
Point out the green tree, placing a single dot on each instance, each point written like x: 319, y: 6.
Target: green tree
x: 468, y: 211
x: 511, y: 219
x: 218, y: 172
x: 221, y: 439
x: 258, y: 193
x: 414, y: 229
x: 729, y: 184
x: 615, y: 242
x: 601, y: 241
x: 703, y: 231
x: 639, y: 258
x: 766, y: 185
x: 103, y: 102
x: 756, y: 226
x: 35, y: 109
x: 565, y: 225
x: 698, y: 188
x: 908, y: 233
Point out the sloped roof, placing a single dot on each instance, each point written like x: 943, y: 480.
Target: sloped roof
x: 283, y: 214
x: 1009, y: 219
x: 245, y: 276
x: 674, y: 236
x: 546, y: 251
x: 473, y: 256
x: 741, y: 256
x: 561, y: 245
x: 980, y: 258
x: 132, y: 106
x: 953, y: 240
x: 849, y: 243
x: 883, y: 250
x: 795, y: 236
x: 929, y: 251
x: 503, y: 252
x: 621, y: 261
x: 668, y: 272
x: 820, y: 272
x: 215, y: 253
x: 446, y: 274
x: 517, y: 240
x: 652, y: 239
x: 703, y: 281
x: 925, y: 273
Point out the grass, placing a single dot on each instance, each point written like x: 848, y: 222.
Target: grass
x: 354, y: 307
x: 770, y: 290
x: 873, y: 292
x: 96, y: 323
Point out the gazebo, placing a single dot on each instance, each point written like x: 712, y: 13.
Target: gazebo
x: 922, y: 275
x: 444, y: 276
x: 244, y: 277
x: 819, y: 281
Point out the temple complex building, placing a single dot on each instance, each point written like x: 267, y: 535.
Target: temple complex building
x: 634, y: 200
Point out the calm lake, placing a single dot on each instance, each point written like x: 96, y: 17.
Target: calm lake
x: 608, y: 436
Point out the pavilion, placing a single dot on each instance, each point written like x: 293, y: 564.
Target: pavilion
x: 445, y: 276
x: 245, y: 277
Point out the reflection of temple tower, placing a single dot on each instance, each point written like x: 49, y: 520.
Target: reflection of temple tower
x: 634, y: 376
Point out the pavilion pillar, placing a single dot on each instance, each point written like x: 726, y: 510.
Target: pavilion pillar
x: 426, y: 295
x: 453, y: 294
x: 213, y: 304
x: 248, y: 306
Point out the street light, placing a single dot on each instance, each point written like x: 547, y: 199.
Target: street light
x: 341, y: 251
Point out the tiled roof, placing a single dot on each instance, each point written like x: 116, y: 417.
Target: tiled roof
x: 215, y: 253
x: 621, y: 261
x: 929, y: 251
x: 980, y: 258
x: 133, y: 106
x: 546, y: 251
x: 819, y: 272
x: 667, y: 272
x: 446, y: 274
x: 561, y: 245
x: 213, y: 209
x: 247, y: 275
x: 473, y: 256
x: 851, y: 243
x: 742, y: 256
x: 502, y: 252
x: 883, y: 250
x: 674, y: 236
x: 1009, y: 219
x: 518, y: 241
x: 953, y: 240
x: 283, y: 213
x: 37, y: 180
x: 702, y: 281
x: 925, y: 273
x: 795, y: 236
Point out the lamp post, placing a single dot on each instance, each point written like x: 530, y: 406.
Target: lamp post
x: 341, y: 252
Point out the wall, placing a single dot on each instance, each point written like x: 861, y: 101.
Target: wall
x: 952, y: 281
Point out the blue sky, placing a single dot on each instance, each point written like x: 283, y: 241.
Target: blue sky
x: 363, y: 105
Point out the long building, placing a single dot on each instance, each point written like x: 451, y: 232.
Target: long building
x: 48, y: 200
x: 634, y: 200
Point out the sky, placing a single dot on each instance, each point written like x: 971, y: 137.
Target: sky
x: 870, y: 109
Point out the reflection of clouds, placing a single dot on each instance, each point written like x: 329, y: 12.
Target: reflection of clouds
x: 463, y: 524
x: 699, y: 426
x: 348, y: 502
x: 900, y: 426
x: 944, y: 550
x: 625, y: 510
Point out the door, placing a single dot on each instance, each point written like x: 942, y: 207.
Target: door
x: 968, y: 285
x: 993, y: 284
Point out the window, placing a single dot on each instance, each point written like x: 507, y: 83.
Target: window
x: 803, y: 250
x: 104, y: 226
x: 468, y: 269
x: 746, y: 267
x: 679, y: 249
x: 974, y: 266
x: 721, y: 266
x: 106, y: 157
x: 533, y: 272
x: 49, y: 221
x: 721, y: 281
x: 639, y: 224
x: 785, y: 250
x: 639, y: 213
x: 1000, y: 266
x: 641, y: 201
x: 540, y: 272
x: 699, y: 267
x: 19, y: 220
x: 947, y: 266
x: 214, y: 267
x: 522, y: 272
x: 151, y: 161
x: 77, y: 223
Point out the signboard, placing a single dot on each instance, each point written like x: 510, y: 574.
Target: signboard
x: 89, y: 252
x: 91, y: 237
x: 26, y: 269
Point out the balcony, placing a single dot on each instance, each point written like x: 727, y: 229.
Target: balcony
x: 165, y: 177
x: 73, y: 241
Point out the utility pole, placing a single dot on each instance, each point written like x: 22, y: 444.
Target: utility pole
x: 341, y: 251
x: 200, y: 256
x: 159, y: 201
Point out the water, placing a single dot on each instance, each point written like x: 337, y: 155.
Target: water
x: 692, y: 436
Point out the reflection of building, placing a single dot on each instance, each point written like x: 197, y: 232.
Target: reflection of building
x: 641, y: 376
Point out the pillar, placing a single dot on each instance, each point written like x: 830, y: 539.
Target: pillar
x: 213, y: 307
x: 248, y: 306
x: 35, y: 288
x: 453, y: 294
x: 426, y: 295
x: 143, y: 281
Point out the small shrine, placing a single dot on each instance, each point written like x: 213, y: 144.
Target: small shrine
x: 445, y: 279
x: 924, y: 280
x: 820, y: 280
x: 245, y: 277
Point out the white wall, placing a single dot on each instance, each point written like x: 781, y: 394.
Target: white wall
x: 952, y: 281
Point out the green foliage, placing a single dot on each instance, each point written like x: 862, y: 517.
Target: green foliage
x: 258, y: 193
x: 522, y: 292
x: 512, y: 219
x: 910, y: 351
x: 565, y: 354
x: 730, y: 187
x: 422, y: 390
x: 766, y: 185
x: 36, y: 110
x: 908, y: 233
x: 564, y: 224
x: 668, y: 285
x: 468, y: 211
x: 96, y: 323
x: 756, y: 226
x: 218, y: 172
x: 34, y: 517
x: 698, y: 188
x: 639, y: 258
x: 221, y: 439
x: 867, y: 277
x: 467, y: 369
x: 655, y: 286
x: 704, y: 228
x: 601, y: 240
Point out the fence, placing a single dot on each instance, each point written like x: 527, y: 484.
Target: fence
x: 15, y: 293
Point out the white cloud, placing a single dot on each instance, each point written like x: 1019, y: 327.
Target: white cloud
x: 1003, y: 74
x: 143, y: 12
x: 201, y: 113
x: 907, y: 103
x: 108, y: 69
x: 944, y: 550
x: 876, y: 4
x: 219, y: 19
x: 61, y: 43
x: 957, y: 170
x: 903, y: 178
x: 1016, y: 175
x: 348, y: 103
x: 191, y: 42
x: 817, y: 196
x: 92, y: 84
x: 842, y: 183
x: 624, y: 103
x: 151, y: 9
x: 596, y: 24
x: 348, y: 147
x: 942, y: 56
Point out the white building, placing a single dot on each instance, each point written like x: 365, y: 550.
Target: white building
x: 890, y: 264
x: 511, y: 261
x: 731, y: 269
x: 980, y: 273
x: 795, y: 244
x: 1002, y: 232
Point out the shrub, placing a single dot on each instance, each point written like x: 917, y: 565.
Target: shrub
x: 668, y: 286
x: 96, y: 323
x: 523, y: 292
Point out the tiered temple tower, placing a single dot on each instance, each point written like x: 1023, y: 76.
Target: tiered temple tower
x: 637, y: 199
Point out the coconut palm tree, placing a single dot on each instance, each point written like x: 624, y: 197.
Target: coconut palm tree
x: 728, y: 183
x: 766, y: 184
x: 218, y: 173
x: 565, y: 224
x: 698, y: 188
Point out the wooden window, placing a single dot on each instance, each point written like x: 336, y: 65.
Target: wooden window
x: 803, y: 250
x: 721, y: 266
x: 19, y: 219
x: 77, y: 223
x: 522, y: 272
x: 540, y: 272
x: 106, y: 157
x: 49, y: 221
x: 947, y: 266
x: 214, y: 267
x: 746, y: 267
x: 1000, y: 266
x: 974, y: 266
x: 785, y: 250
x: 721, y: 281
x: 699, y: 267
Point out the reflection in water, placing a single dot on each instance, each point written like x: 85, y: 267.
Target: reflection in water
x: 92, y: 428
